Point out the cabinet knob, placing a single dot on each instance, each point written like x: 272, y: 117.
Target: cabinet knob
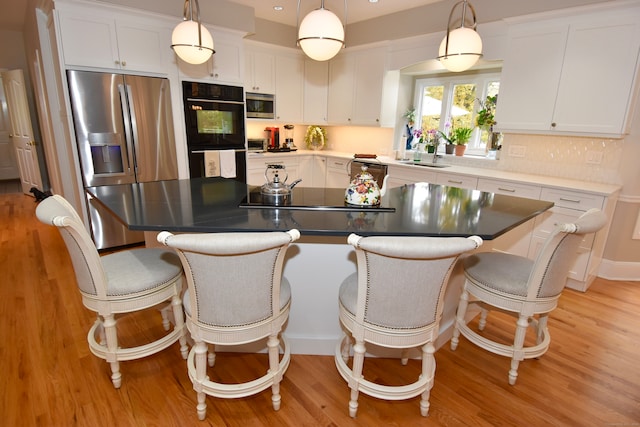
x: 553, y: 124
x: 117, y: 62
x: 124, y: 63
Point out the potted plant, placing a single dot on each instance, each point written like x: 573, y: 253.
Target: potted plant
x: 485, y: 120
x: 462, y: 136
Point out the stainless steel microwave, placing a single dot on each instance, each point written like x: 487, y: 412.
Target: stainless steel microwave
x: 260, y: 106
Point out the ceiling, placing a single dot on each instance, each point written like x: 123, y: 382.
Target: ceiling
x: 357, y: 10
x: 13, y: 11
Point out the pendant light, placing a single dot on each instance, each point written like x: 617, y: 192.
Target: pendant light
x: 321, y: 33
x: 462, y: 47
x: 191, y: 41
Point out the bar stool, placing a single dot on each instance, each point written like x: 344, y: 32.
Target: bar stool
x: 527, y: 289
x: 236, y: 295
x: 395, y: 300
x: 122, y: 282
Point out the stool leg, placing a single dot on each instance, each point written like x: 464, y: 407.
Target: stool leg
x: 462, y: 311
x: 274, y: 366
x: 428, y: 369
x: 178, y: 318
x: 518, y: 344
x: 356, y: 373
x: 200, y: 349
x: 111, y: 337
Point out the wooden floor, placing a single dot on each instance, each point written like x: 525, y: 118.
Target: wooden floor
x: 589, y: 377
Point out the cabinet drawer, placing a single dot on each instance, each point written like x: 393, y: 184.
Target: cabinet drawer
x: 401, y: 175
x: 509, y: 188
x: 572, y: 199
x: 460, y: 181
x: 338, y: 164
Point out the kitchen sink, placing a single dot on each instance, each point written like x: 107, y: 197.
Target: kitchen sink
x: 426, y: 165
x: 432, y: 165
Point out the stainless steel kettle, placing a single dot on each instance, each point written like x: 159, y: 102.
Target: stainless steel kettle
x: 275, y: 191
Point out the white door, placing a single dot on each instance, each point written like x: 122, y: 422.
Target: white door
x: 21, y: 130
x: 8, y: 165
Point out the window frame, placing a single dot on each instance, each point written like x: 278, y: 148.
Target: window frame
x: 480, y: 79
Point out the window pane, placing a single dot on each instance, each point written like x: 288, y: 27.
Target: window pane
x: 431, y: 107
x: 464, y: 97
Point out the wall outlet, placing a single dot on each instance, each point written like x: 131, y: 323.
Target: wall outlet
x: 517, y: 150
x: 594, y: 157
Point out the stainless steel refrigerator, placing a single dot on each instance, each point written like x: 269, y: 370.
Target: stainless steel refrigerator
x: 124, y: 131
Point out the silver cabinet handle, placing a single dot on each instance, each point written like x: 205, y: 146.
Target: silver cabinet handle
x: 564, y: 199
x: 510, y: 190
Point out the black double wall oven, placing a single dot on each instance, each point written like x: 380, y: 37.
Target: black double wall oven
x: 214, y: 116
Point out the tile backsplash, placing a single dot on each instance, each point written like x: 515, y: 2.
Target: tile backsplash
x: 588, y: 159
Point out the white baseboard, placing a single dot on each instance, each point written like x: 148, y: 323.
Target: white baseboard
x: 617, y: 270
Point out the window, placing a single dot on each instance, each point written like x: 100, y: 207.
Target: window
x: 446, y: 102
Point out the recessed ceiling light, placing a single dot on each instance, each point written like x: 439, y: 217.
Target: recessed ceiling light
x: 373, y: 1
x: 278, y: 8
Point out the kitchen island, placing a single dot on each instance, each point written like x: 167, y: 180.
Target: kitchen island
x: 321, y: 259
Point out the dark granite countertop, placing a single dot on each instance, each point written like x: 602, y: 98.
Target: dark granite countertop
x: 214, y: 205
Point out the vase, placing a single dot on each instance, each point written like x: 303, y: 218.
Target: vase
x: 431, y: 149
x: 316, y: 143
x: 449, y: 148
x: 460, y: 150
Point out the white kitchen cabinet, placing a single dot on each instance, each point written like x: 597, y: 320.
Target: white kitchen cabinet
x: 516, y: 241
x: 316, y: 81
x: 101, y: 38
x: 568, y: 206
x: 257, y: 165
x: 337, y: 174
x: 289, y: 88
x: 355, y: 87
x: 456, y: 180
x: 573, y: 75
x: 399, y: 175
x: 224, y: 67
x: 260, y: 70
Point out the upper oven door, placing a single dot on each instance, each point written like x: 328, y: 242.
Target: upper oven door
x: 214, y: 124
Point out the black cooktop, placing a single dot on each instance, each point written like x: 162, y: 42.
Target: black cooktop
x: 308, y: 198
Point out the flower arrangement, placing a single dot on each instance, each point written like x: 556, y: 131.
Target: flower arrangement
x: 315, y: 137
x: 447, y: 134
x: 485, y: 118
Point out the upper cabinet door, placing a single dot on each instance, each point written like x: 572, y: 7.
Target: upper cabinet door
x: 289, y: 88
x: 573, y: 76
x: 225, y: 66
x: 260, y: 72
x: 95, y: 38
x: 88, y: 40
x: 598, y: 75
x: 530, y: 76
x: 316, y: 80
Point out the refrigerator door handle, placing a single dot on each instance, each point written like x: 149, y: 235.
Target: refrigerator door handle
x: 127, y: 126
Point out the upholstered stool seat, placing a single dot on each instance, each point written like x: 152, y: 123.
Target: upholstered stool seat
x: 121, y: 282
x: 236, y: 295
x: 527, y: 289
x: 395, y: 300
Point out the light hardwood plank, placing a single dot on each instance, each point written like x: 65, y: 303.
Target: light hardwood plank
x: 589, y: 377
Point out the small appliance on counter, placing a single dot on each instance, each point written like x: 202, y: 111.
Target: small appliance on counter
x: 257, y: 145
x: 273, y: 138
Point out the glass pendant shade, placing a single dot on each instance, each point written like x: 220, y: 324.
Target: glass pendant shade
x: 190, y: 40
x: 321, y: 35
x: 465, y: 48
